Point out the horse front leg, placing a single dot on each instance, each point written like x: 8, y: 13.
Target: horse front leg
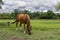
x: 16, y: 25
x: 29, y: 30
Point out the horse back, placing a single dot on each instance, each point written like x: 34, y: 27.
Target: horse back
x: 23, y: 18
x: 26, y: 18
x: 20, y: 17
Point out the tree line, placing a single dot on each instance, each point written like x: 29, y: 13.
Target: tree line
x: 34, y: 15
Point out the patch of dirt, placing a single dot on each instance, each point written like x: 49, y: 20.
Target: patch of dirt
x: 16, y: 38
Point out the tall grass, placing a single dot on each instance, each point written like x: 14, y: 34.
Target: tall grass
x: 41, y: 30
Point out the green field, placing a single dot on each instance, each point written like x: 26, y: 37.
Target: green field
x: 41, y: 30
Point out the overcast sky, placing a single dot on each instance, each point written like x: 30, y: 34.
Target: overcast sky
x: 33, y: 5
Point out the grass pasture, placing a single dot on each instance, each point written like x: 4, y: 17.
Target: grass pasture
x: 41, y: 30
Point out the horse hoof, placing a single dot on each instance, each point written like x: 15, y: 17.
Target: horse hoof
x: 24, y: 32
x: 29, y: 33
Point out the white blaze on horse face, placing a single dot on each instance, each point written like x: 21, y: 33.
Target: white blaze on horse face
x: 16, y: 28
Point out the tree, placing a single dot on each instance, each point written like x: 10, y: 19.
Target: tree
x: 16, y: 12
x: 47, y: 15
x: 50, y: 14
x: 57, y: 6
x: 26, y: 11
x: 1, y: 3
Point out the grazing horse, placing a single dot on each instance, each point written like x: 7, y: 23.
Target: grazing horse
x: 23, y: 18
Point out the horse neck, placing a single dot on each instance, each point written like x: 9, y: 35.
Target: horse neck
x: 28, y: 23
x: 28, y: 20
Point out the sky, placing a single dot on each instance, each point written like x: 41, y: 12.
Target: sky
x: 33, y: 5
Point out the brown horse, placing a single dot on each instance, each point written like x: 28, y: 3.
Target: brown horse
x: 23, y: 18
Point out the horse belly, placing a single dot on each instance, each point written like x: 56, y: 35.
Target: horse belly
x: 21, y: 20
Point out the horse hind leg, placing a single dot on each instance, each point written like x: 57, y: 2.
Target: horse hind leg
x: 16, y: 25
x: 20, y: 26
x: 25, y: 28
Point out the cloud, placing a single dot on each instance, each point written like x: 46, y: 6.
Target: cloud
x: 29, y: 4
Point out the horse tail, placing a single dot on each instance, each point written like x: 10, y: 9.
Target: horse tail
x: 13, y: 22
